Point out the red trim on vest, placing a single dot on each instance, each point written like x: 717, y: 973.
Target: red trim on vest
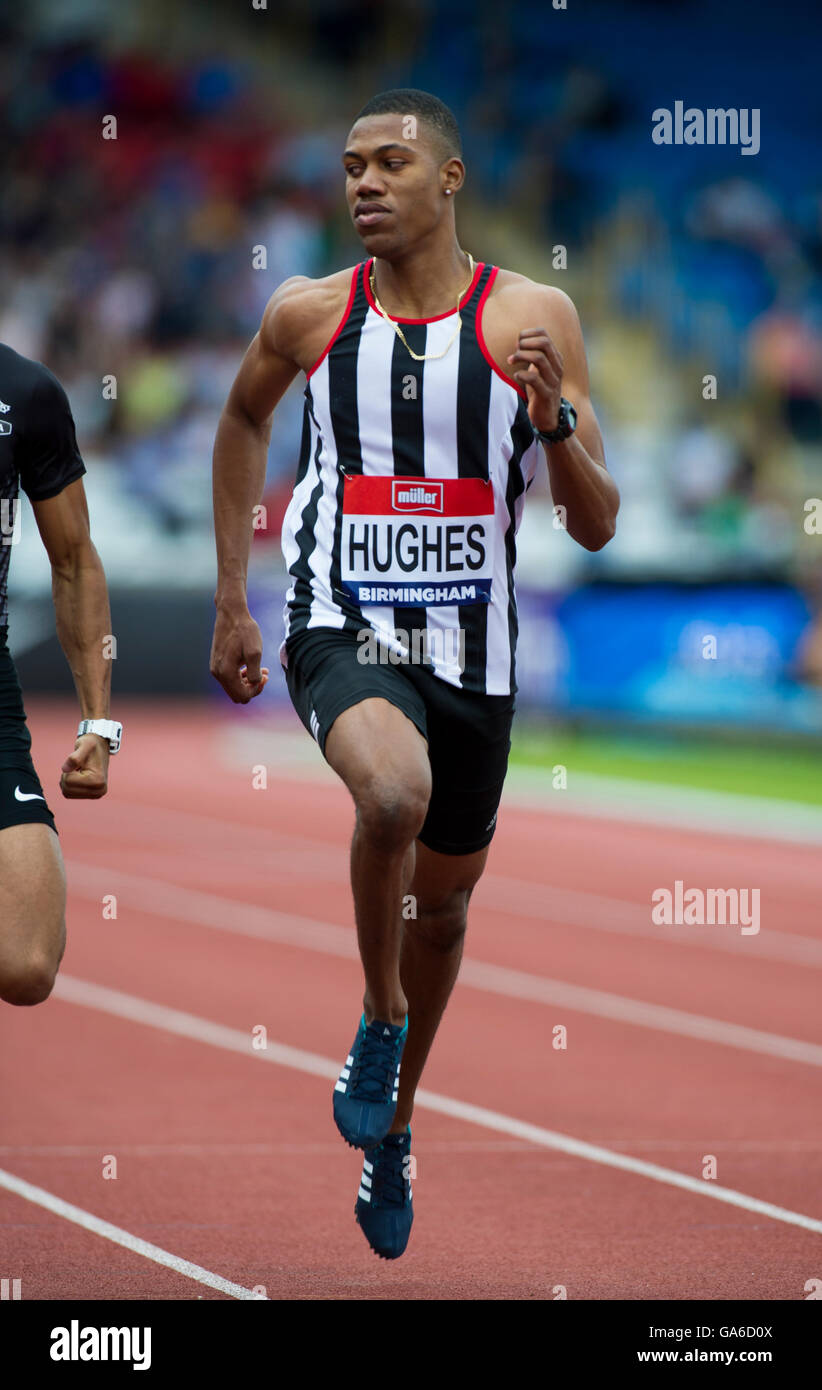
x: 483, y: 345
x: 478, y: 269
x: 340, y: 325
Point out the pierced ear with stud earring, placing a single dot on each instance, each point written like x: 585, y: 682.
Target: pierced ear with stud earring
x: 448, y: 192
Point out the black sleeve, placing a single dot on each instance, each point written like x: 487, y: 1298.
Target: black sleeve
x: 50, y: 458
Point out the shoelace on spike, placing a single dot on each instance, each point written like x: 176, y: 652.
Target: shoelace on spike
x: 388, y: 1185
x: 374, y: 1071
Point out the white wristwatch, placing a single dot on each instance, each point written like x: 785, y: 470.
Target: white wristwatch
x: 106, y: 728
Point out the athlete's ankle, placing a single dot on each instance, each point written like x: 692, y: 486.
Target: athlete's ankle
x: 391, y: 1009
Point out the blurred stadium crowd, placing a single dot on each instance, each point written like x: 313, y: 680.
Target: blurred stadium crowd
x: 133, y: 256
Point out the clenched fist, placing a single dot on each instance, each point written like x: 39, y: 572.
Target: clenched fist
x: 84, y: 775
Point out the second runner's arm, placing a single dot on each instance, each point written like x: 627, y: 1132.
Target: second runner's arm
x: 83, y: 619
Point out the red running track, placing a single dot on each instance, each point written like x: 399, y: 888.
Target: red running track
x: 233, y: 908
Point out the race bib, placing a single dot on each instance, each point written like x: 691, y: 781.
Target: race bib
x: 417, y: 542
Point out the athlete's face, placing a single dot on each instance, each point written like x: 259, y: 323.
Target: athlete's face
x: 395, y: 181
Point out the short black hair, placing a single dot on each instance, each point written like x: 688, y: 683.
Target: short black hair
x: 410, y: 101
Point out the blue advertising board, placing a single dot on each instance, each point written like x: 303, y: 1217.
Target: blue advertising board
x: 722, y: 653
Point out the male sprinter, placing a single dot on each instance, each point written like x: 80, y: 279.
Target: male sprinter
x: 435, y: 387
x: 38, y: 450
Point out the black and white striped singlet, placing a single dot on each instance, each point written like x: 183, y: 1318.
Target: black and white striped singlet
x: 410, y: 490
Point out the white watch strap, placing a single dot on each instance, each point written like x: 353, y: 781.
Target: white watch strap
x: 106, y: 728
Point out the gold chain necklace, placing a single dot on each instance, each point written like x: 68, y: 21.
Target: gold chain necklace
x: 427, y: 356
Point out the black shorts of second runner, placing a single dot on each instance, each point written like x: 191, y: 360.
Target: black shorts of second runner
x: 22, y: 800
x: 468, y: 734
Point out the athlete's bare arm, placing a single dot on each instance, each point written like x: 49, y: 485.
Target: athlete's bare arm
x: 298, y: 322
x: 547, y: 358
x: 83, y: 623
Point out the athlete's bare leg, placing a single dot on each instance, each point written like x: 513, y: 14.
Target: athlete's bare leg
x: 383, y: 760
x: 430, y: 956
x: 32, y: 912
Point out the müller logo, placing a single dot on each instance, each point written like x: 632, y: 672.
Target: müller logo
x: 416, y: 497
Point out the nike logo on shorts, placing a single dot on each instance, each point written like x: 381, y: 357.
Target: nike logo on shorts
x: 27, y: 796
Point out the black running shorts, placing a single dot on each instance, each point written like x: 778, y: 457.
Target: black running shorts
x: 22, y: 801
x: 468, y: 734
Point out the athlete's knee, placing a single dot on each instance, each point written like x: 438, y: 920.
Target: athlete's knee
x: 29, y: 978
x: 441, y: 924
x: 391, y: 814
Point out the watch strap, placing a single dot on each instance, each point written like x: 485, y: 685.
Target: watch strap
x: 106, y: 728
x: 567, y: 412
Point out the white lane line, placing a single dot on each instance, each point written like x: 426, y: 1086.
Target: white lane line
x: 170, y: 901
x: 572, y: 907
x: 519, y: 985
x: 593, y: 795
x: 298, y: 857
x: 742, y: 1147
x: 41, y: 1198
x: 145, y: 1011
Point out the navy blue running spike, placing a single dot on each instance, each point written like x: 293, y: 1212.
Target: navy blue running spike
x: 383, y: 1209
x: 365, y: 1096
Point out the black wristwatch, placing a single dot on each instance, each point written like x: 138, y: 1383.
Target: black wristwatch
x: 565, y: 428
